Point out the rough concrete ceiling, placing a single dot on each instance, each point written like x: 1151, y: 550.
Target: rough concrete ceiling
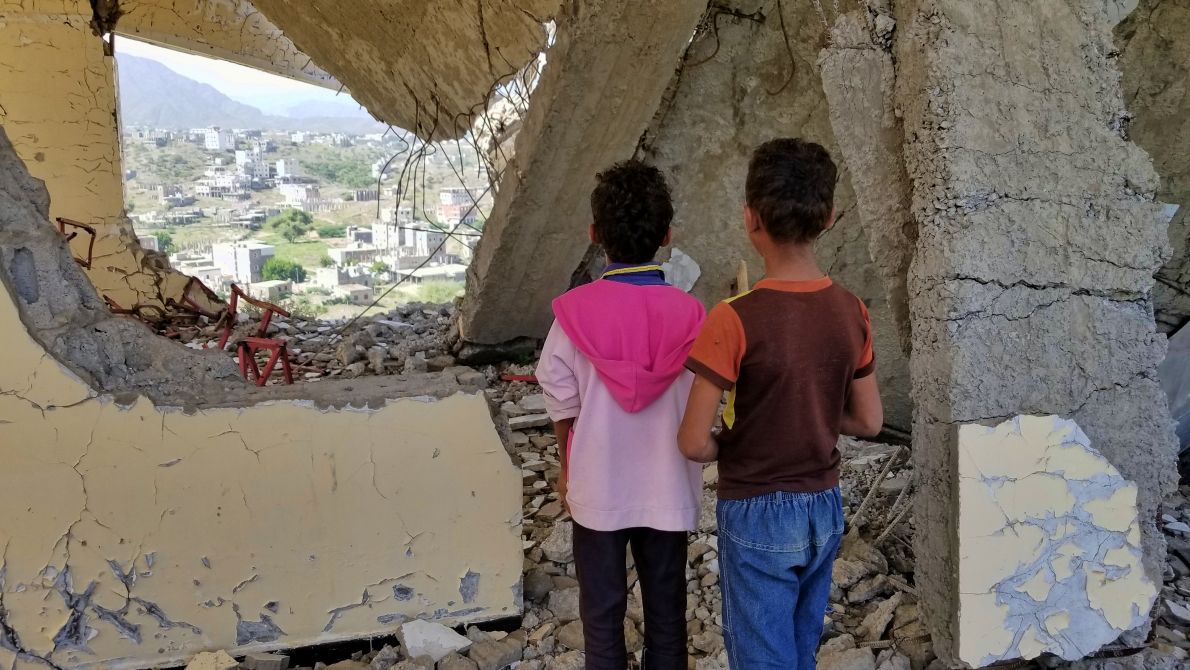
x: 423, y: 66
x: 232, y: 30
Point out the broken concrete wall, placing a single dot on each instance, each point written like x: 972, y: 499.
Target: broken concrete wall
x: 604, y: 80
x: 149, y: 519
x: 58, y: 106
x: 1039, y: 233
x: 231, y: 30
x: 749, y: 76
x: 1155, y: 63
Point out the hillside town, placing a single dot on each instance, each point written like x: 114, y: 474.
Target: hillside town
x: 323, y: 222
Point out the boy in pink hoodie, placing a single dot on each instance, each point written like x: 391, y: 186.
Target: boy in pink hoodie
x: 615, y: 385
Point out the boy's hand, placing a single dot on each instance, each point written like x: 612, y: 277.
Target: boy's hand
x: 560, y: 487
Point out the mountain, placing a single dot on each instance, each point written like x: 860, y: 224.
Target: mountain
x: 153, y: 95
x: 343, y: 108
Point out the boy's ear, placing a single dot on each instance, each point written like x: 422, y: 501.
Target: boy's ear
x: 751, y: 220
x: 830, y: 223
x: 669, y: 237
x: 594, y: 236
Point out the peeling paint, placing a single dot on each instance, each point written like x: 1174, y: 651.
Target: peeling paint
x: 1049, y: 538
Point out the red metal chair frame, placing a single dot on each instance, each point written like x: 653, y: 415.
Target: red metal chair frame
x: 246, y: 348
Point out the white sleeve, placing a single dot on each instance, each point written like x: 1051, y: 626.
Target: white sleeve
x: 555, y: 372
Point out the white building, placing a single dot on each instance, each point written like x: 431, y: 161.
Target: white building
x: 297, y: 195
x: 379, y: 168
x: 242, y: 260
x: 288, y: 168
x: 354, y: 254
x: 298, y: 137
x: 218, y: 139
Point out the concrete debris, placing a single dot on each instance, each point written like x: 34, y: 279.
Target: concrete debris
x: 425, y: 638
x: 212, y: 660
x: 267, y: 662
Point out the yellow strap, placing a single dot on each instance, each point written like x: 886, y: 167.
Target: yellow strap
x: 632, y: 270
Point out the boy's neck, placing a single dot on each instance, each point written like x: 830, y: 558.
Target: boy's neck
x: 792, y: 262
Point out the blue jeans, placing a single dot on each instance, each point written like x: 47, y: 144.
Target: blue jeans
x: 775, y: 556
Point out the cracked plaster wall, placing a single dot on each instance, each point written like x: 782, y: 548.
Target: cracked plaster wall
x: 58, y: 107
x: 1039, y: 233
x: 740, y: 86
x: 1155, y: 63
x: 157, y: 506
x: 1049, y: 542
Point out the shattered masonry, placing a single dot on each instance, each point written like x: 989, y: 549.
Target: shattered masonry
x: 1049, y: 544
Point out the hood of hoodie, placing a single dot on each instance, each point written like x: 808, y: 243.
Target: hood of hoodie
x: 636, y: 337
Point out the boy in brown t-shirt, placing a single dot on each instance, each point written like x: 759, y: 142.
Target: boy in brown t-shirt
x: 795, y: 357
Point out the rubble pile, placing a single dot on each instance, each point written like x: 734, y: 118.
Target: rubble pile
x: 874, y: 621
x: 409, y: 339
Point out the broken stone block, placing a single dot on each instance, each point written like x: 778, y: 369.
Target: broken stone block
x: 571, y: 660
x: 212, y: 660
x: 415, y: 365
x: 571, y: 635
x: 496, y: 654
x: 425, y: 638
x: 376, y: 358
x: 453, y: 661
x: 386, y: 658
x: 849, y: 659
x: 529, y: 421
x: 266, y: 662
x: 873, y: 626
x: 846, y: 574
x: 564, y: 603
x: 559, y: 546
x: 537, y: 585
x: 1050, y: 544
x: 533, y: 404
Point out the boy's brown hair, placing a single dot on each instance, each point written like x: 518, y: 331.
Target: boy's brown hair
x: 632, y: 211
x: 791, y: 187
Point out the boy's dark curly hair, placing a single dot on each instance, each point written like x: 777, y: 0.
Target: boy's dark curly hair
x: 632, y: 211
x: 791, y: 186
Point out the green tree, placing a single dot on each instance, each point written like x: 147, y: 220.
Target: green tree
x: 281, y: 269
x: 292, y: 231
x: 290, y: 216
x: 326, y: 262
x: 378, y: 266
x: 165, y: 242
x: 331, y: 230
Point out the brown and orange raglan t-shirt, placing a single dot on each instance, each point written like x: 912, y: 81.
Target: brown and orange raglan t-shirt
x: 787, y: 352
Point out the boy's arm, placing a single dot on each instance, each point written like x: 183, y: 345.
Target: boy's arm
x: 555, y: 373
x: 863, y: 416
x: 715, y: 361
x: 694, y: 437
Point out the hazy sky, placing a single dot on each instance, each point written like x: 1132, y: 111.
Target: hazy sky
x: 238, y: 82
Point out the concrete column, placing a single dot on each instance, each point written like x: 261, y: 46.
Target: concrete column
x: 1030, y: 287
x: 606, y: 74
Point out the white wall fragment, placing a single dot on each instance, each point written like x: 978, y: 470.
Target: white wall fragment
x: 1050, y: 557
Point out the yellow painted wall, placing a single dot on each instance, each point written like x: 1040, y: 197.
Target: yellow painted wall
x: 281, y: 511
x: 58, y: 106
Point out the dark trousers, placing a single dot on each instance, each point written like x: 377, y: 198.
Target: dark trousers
x: 660, y: 556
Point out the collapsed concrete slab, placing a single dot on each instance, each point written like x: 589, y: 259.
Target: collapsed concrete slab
x: 1039, y: 233
x: 231, y: 30
x: 161, y: 507
x: 606, y: 74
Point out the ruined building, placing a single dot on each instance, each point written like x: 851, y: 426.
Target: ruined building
x: 1008, y: 207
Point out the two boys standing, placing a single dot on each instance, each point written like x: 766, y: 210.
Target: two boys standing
x: 634, y: 377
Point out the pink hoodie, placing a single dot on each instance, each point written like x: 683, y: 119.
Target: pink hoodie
x: 615, y: 360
